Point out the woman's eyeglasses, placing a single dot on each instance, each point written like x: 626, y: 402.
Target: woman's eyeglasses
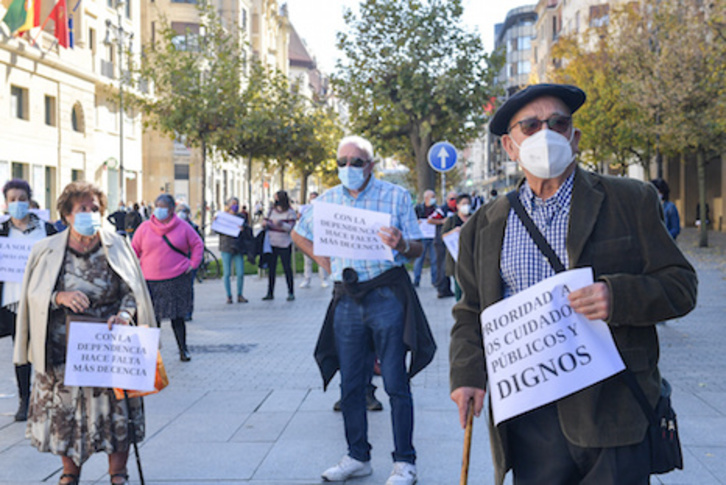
x: 558, y: 123
x: 354, y: 162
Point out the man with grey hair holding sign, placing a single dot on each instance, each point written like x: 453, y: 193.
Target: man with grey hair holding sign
x: 596, y: 435
x: 374, y: 311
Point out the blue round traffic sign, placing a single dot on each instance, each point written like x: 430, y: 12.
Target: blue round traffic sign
x: 442, y: 156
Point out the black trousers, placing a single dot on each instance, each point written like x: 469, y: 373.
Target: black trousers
x: 540, y: 453
x: 285, y: 255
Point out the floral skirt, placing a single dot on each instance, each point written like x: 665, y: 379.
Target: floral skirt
x: 172, y: 298
x: 76, y: 422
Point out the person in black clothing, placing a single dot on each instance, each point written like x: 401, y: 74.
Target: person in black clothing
x: 25, y: 226
x: 118, y: 219
x: 132, y: 221
x: 183, y: 212
x: 443, y: 285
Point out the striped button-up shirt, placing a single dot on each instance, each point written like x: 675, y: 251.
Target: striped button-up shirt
x: 522, y: 263
x: 377, y: 196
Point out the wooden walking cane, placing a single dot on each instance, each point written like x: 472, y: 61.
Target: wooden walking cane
x: 132, y: 437
x: 467, y: 442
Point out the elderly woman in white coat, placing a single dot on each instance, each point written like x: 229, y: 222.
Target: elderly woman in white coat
x: 81, y: 271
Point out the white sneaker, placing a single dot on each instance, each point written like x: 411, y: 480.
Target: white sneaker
x: 403, y: 474
x: 324, y: 284
x: 347, y: 468
x: 305, y: 284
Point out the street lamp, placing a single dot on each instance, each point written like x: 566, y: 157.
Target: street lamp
x: 120, y: 38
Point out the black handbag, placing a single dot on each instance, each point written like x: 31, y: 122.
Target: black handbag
x: 665, y: 444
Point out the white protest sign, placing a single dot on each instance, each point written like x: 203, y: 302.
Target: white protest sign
x: 428, y: 230
x: 451, y: 241
x: 347, y: 232
x: 227, y: 224
x: 124, y: 357
x: 14, y: 253
x: 538, y: 350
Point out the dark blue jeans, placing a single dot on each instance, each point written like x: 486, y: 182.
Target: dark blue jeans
x: 373, y: 326
x: 428, y: 248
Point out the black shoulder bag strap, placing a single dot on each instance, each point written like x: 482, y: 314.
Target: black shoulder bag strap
x: 547, y: 250
x: 166, y: 240
x: 535, y: 233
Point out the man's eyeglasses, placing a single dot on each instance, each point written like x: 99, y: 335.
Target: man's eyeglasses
x: 354, y: 162
x: 558, y: 123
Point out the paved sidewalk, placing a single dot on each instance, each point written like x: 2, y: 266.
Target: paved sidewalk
x: 249, y: 408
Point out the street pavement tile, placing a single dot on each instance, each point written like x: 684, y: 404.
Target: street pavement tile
x: 12, y: 434
x: 23, y: 463
x: 261, y: 427
x: 283, y: 400
x: 702, y: 431
x: 717, y: 400
x: 179, y: 461
x: 224, y: 402
x: 202, y: 428
x: 688, y: 404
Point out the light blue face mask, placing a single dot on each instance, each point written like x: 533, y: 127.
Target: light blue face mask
x: 87, y: 223
x: 161, y: 213
x: 351, y: 177
x: 18, y: 209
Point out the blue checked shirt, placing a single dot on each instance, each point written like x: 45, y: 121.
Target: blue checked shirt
x: 522, y: 263
x: 378, y: 196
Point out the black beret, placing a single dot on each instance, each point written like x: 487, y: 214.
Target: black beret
x: 572, y: 96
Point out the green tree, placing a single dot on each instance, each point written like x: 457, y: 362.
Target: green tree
x: 259, y: 113
x: 673, y: 60
x: 412, y: 72
x: 193, y: 77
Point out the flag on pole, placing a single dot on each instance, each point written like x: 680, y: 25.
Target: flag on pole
x: 17, y: 15
x: 59, y: 15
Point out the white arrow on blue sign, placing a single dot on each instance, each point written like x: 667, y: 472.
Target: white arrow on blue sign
x: 442, y: 156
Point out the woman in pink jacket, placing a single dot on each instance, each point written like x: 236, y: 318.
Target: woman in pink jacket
x: 169, y: 249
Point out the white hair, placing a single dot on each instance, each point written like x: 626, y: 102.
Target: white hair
x: 359, y: 142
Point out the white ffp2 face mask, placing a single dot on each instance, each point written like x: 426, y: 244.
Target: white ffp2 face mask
x: 546, y: 154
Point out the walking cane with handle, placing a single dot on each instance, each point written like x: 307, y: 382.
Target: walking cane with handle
x: 467, y: 442
x: 132, y: 437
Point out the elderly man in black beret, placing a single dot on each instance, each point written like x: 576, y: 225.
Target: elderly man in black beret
x: 612, y: 225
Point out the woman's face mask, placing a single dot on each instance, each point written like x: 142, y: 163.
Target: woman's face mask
x: 87, y: 223
x: 18, y: 209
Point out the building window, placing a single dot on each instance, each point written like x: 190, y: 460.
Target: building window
x: 18, y: 103
x: 50, y: 110
x: 181, y: 171
x: 523, y: 67
x: 244, y: 19
x: 187, y: 38
x: 524, y: 43
x: 76, y: 175
x: 77, y: 120
x: 184, y: 1
x: 92, y: 40
x: 599, y: 15
x: 127, y: 9
x: 554, y: 28
x: 110, y: 3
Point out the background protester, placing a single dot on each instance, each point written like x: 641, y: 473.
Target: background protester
x: 279, y: 222
x: 670, y: 212
x: 453, y: 224
x: 169, y: 249
x: 231, y: 250
x: 133, y: 220
x: 443, y: 213
x: 183, y: 212
x: 81, y: 271
x: 26, y: 226
x: 424, y: 211
x: 308, y: 262
x: 118, y: 219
